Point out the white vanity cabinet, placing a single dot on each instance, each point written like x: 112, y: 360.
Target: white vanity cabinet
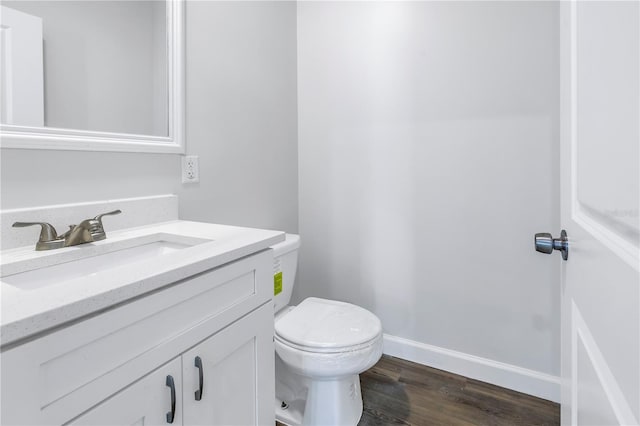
x: 112, y: 367
x: 237, y: 370
x: 146, y: 402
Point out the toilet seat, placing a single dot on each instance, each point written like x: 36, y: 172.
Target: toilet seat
x: 328, y: 326
x: 323, y: 365
x: 317, y: 350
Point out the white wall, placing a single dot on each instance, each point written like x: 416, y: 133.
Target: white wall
x: 241, y: 109
x: 31, y: 178
x: 242, y: 120
x: 427, y: 155
x: 104, y: 64
x: 428, y: 146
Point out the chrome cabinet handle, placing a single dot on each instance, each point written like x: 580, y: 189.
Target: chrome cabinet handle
x: 198, y: 364
x: 546, y: 244
x: 171, y: 414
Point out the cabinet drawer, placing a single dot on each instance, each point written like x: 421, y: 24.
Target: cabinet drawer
x: 70, y: 370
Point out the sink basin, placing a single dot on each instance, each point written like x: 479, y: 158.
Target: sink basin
x: 90, y: 262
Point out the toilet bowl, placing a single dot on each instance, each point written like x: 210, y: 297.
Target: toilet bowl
x: 321, y: 348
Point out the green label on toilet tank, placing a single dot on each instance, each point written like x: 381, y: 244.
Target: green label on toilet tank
x: 277, y: 283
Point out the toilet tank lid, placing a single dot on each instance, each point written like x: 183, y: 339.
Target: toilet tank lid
x: 291, y: 242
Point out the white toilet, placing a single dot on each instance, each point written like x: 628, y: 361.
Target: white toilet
x: 321, y: 348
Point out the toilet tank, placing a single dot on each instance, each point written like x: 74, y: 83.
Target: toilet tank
x: 285, y: 264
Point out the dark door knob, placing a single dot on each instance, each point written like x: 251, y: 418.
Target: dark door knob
x: 545, y: 243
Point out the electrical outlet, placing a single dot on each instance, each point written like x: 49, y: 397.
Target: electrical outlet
x: 190, y: 169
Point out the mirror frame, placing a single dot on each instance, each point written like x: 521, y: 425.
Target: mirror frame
x: 25, y: 137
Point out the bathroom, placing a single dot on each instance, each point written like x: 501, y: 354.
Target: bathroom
x: 416, y: 148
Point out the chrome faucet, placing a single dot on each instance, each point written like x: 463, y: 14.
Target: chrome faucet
x: 79, y: 234
x: 87, y: 231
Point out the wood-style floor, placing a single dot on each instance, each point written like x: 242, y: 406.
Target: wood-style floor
x: 398, y: 392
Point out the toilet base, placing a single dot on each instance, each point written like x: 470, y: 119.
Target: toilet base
x: 331, y: 402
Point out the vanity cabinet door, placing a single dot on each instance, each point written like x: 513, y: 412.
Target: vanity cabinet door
x: 148, y: 401
x: 237, y: 370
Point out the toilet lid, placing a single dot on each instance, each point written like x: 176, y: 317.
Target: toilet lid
x: 327, y: 324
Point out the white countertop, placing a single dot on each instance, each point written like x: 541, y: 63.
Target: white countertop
x: 27, y: 312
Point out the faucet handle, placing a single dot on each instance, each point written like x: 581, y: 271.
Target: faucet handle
x: 97, y: 231
x: 99, y: 217
x: 47, y: 233
x: 48, y: 236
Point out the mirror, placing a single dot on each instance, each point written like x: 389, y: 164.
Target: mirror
x: 92, y: 75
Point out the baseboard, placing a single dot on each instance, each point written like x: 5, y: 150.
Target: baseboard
x: 497, y: 373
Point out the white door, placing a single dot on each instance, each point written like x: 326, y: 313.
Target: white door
x: 228, y: 378
x: 600, y: 187
x: 156, y: 399
x: 21, y: 69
